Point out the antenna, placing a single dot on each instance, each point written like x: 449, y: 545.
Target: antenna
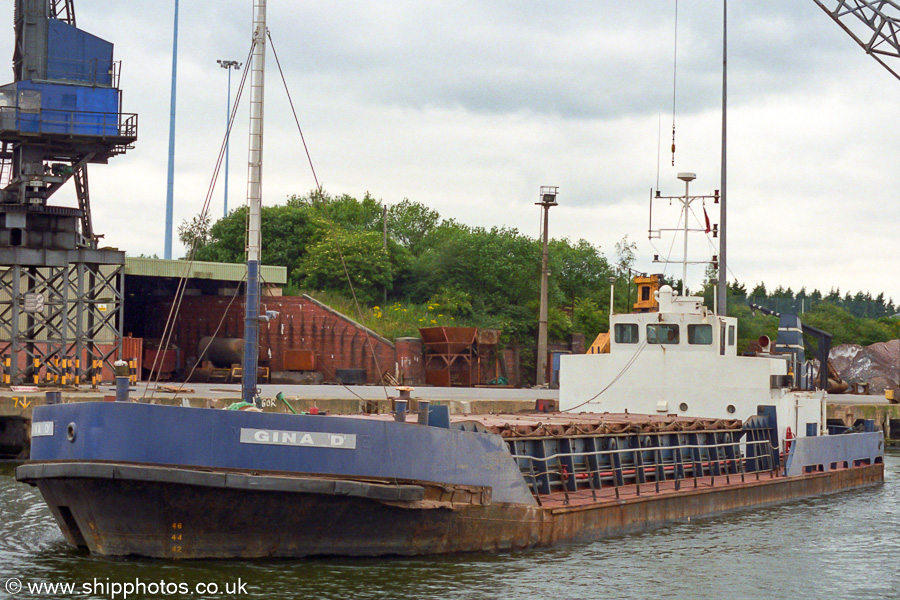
x: 686, y: 200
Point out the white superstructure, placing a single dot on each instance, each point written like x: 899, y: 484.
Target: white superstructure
x: 683, y: 361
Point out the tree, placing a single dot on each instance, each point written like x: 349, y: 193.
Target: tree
x: 590, y: 319
x: 625, y: 256
x: 499, y: 268
x: 580, y: 271
x: 195, y: 234
x: 344, y: 210
x: 409, y: 223
x: 759, y: 294
x: 286, y: 230
x: 368, y: 264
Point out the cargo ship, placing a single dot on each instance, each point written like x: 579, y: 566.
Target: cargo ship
x: 716, y: 434
x: 670, y: 424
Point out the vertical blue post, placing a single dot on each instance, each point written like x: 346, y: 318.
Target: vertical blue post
x: 227, y: 140
x: 170, y: 187
x: 251, y: 333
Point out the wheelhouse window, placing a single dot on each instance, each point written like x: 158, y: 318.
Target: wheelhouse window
x: 662, y: 333
x: 626, y: 333
x: 731, y: 335
x: 700, y: 334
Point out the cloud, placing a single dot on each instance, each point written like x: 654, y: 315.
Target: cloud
x: 469, y: 107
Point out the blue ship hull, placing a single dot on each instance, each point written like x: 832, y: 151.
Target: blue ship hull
x: 172, y: 482
x: 224, y: 439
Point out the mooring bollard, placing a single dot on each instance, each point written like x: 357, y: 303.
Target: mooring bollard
x: 400, y: 411
x: 423, y: 412
x: 122, y: 380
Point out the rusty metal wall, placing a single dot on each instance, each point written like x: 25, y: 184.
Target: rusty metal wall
x: 302, y: 325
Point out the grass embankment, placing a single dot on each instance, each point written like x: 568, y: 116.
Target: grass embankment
x: 393, y: 320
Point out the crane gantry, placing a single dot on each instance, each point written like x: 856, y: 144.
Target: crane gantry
x: 873, y: 24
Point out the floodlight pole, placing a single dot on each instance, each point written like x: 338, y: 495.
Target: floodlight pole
x: 548, y: 199
x: 170, y: 177
x: 228, y: 65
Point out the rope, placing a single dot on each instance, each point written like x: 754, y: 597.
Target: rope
x: 293, y: 111
x: 328, y: 215
x: 627, y: 366
x: 169, y: 328
x: 303, y: 341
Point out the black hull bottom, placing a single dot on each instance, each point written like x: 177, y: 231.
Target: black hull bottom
x: 176, y: 517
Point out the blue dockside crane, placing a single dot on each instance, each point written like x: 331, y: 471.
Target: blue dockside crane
x: 62, y: 113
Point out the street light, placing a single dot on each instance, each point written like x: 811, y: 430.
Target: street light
x: 228, y: 65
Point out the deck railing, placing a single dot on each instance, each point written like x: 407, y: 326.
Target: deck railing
x: 69, y: 122
x: 721, y: 454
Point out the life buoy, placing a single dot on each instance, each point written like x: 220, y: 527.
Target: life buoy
x: 788, y: 436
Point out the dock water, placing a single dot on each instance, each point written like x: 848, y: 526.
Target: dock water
x: 837, y: 546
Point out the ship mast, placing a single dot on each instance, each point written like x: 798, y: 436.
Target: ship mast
x: 722, y: 289
x: 254, y: 201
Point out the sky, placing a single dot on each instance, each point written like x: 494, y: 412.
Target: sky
x: 470, y: 107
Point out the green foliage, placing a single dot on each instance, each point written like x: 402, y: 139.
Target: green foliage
x: 442, y: 272
x: 498, y: 268
x: 344, y: 210
x: 410, y: 223
x: 194, y: 234
x: 368, y: 264
x: 400, y: 319
x: 860, y: 305
x: 559, y: 325
x: 846, y: 328
x: 286, y: 232
x: 453, y: 300
x: 751, y: 325
x: 590, y: 319
x: 579, y: 270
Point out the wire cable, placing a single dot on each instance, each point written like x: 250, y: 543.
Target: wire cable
x: 627, y: 366
x: 334, y: 235
x: 169, y: 327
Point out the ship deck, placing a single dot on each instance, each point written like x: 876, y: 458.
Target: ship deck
x: 562, y: 424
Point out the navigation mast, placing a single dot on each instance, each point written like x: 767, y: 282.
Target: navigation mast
x: 684, y: 229
x: 254, y: 201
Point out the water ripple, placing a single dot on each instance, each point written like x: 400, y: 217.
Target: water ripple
x: 838, y: 547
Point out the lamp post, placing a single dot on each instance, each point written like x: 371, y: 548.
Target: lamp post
x: 228, y: 65
x: 548, y: 199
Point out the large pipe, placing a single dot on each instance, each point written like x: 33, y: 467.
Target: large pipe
x: 222, y: 352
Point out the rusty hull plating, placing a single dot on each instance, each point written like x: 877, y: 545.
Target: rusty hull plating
x: 118, y: 513
x: 128, y: 482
